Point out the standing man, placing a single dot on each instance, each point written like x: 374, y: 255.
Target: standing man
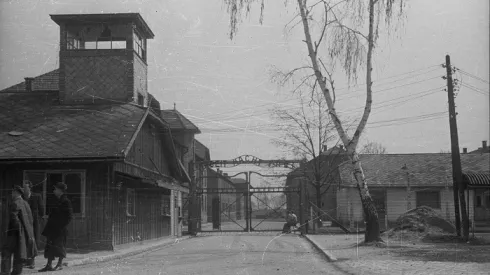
x: 56, y: 229
x: 37, y: 208
x: 20, y: 237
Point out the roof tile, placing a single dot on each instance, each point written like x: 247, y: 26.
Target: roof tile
x: 51, y: 130
x: 424, y: 169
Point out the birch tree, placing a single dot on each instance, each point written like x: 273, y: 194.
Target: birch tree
x: 308, y: 133
x: 345, y: 36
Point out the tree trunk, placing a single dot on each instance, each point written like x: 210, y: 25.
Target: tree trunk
x: 370, y: 213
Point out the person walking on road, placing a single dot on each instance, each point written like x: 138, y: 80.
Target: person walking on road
x: 37, y: 209
x: 291, y: 220
x: 56, y: 229
x: 20, y: 241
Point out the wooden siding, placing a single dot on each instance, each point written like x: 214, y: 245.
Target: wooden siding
x: 148, y: 146
x: 147, y: 222
x: 93, y: 229
x: 350, y: 208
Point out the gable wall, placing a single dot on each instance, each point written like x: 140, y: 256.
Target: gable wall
x: 150, y: 145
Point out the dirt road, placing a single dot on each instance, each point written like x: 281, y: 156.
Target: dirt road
x: 230, y: 254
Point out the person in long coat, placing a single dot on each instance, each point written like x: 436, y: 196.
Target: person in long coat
x: 56, y: 229
x: 20, y: 236
x: 37, y: 208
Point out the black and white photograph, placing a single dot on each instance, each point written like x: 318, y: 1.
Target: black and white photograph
x: 244, y: 137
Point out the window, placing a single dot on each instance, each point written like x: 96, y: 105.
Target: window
x: 478, y: 201
x: 429, y: 198
x: 165, y: 209
x: 72, y: 42
x: 141, y: 99
x: 139, y: 46
x: 130, y: 202
x: 43, y: 181
x: 105, y: 44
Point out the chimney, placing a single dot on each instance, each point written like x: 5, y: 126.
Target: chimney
x: 484, y: 144
x: 325, y: 148
x: 465, y: 150
x: 28, y: 81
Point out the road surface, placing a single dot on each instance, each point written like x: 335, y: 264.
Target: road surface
x: 242, y: 254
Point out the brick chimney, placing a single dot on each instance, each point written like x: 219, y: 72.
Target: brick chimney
x: 484, y: 144
x: 465, y: 150
x: 103, y: 58
x: 28, y: 81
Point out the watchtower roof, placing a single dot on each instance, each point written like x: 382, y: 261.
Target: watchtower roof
x: 105, y: 18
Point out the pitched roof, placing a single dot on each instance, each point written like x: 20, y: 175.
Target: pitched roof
x: 44, y: 82
x: 34, y: 126
x: 177, y: 121
x: 105, y: 17
x: 424, y: 169
x: 202, y: 151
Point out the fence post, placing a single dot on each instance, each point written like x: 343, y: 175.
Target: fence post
x: 301, y: 220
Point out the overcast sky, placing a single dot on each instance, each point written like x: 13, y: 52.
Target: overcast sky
x: 224, y: 87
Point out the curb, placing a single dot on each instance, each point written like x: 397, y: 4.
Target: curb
x: 325, y: 253
x: 119, y: 255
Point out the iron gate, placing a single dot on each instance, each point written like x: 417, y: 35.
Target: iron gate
x: 253, y: 209
x: 241, y: 207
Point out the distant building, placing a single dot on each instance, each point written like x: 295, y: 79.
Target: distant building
x: 399, y: 182
x: 483, y: 149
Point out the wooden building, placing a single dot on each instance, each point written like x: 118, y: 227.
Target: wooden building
x: 400, y: 182
x: 93, y: 125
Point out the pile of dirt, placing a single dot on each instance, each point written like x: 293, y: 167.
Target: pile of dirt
x: 420, y: 223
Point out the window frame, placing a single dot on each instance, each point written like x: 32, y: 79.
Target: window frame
x: 139, y: 45
x: 133, y: 191
x: 83, y: 194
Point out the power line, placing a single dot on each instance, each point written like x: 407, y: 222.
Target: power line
x: 475, y: 89
x: 257, y: 114
x: 472, y: 75
x: 343, y: 88
x: 400, y: 121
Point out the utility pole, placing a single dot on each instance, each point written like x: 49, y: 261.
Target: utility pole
x: 458, y: 187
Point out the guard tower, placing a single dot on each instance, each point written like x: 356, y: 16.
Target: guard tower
x: 103, y: 58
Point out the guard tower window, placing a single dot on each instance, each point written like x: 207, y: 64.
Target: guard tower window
x: 72, y: 41
x: 139, y: 46
x: 105, y: 40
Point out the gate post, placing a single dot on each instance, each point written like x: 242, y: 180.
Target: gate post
x: 301, y: 208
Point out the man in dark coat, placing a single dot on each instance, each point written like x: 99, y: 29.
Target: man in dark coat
x: 291, y: 220
x: 37, y: 208
x: 20, y: 237
x: 56, y: 229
